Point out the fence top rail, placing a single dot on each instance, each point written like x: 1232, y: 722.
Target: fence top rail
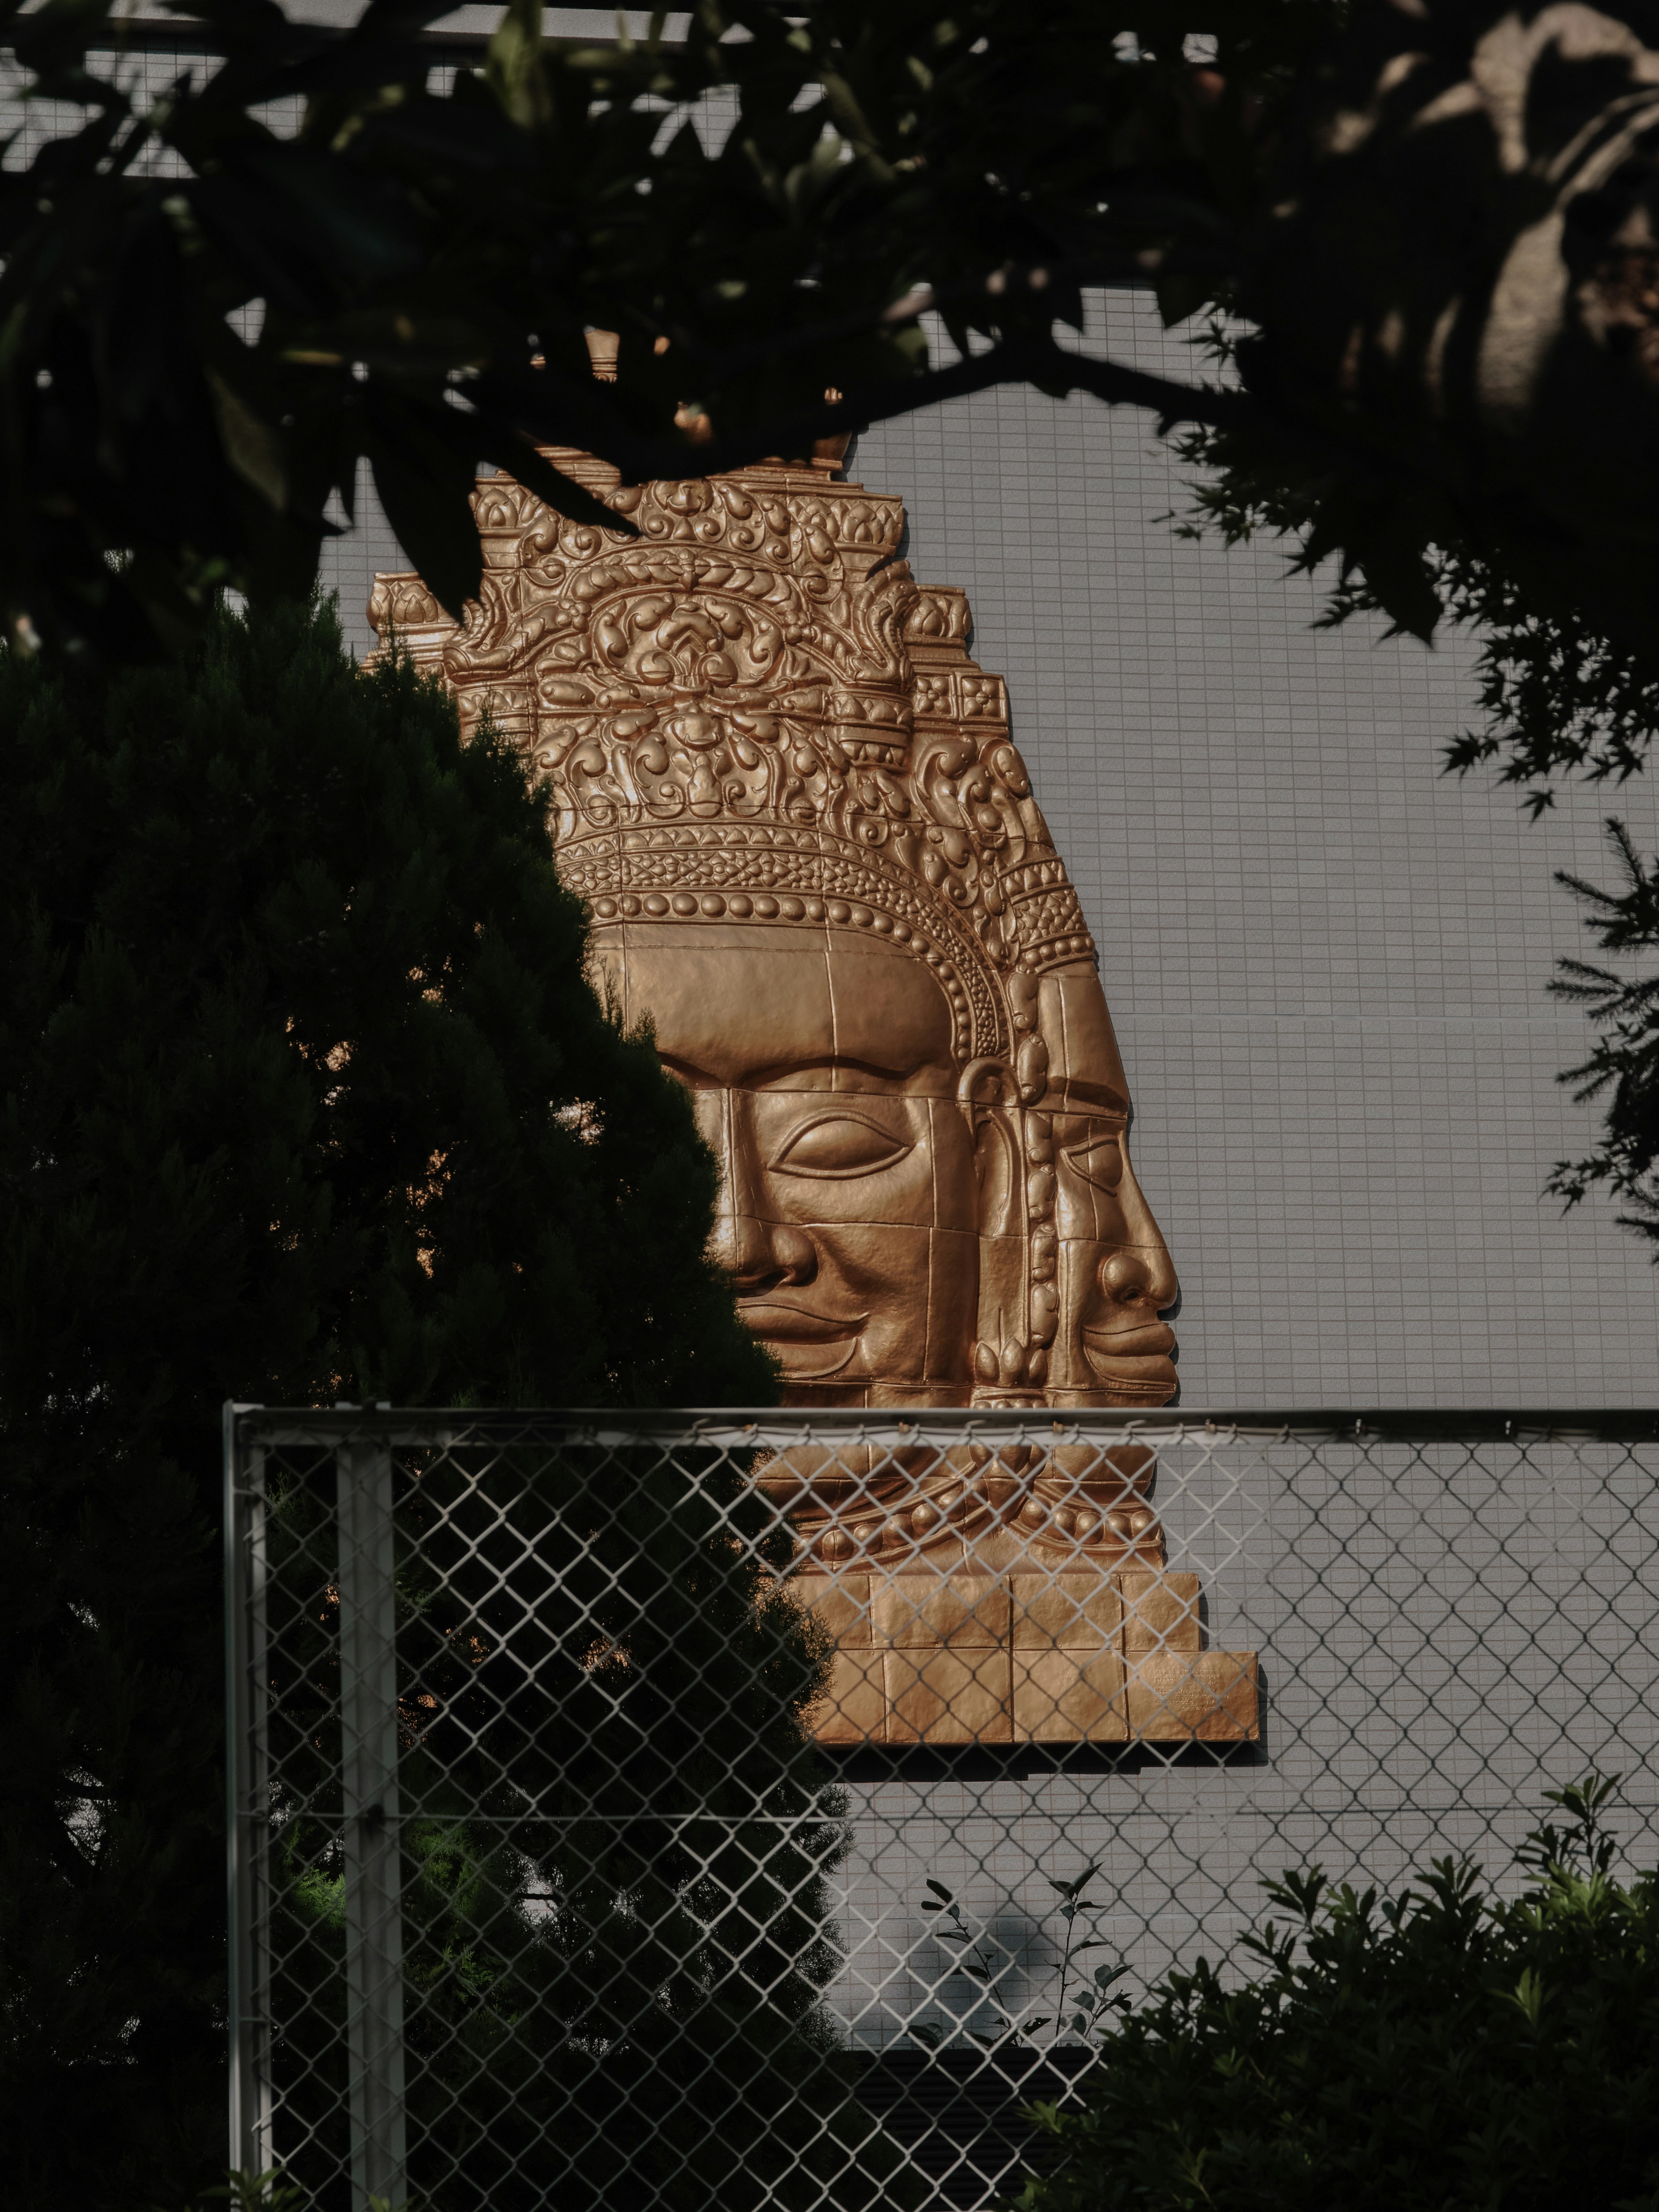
x: 742, y: 1428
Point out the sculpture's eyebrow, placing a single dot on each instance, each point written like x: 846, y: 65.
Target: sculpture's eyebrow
x: 1097, y: 1102
x: 814, y: 1078
x: 698, y: 1079
x: 783, y: 1078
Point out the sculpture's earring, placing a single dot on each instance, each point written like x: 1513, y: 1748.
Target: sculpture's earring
x: 1006, y: 1357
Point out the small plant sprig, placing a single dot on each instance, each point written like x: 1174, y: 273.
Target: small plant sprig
x: 268, y: 2193
x: 256, y: 2192
x: 1081, y: 2013
x: 1584, y: 1848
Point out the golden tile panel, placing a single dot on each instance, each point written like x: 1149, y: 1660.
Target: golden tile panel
x: 948, y: 1696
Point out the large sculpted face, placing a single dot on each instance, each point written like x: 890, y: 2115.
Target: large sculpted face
x: 821, y: 1067
x: 869, y: 1210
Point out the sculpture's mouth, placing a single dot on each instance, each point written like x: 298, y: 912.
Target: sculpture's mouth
x: 1135, y: 1359
x: 808, y: 1347
x: 1145, y: 1337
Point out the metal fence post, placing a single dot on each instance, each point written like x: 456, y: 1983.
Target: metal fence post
x: 368, y: 1702
x: 247, y: 1831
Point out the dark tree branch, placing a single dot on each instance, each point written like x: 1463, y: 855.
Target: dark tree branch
x: 1051, y: 367
x: 1133, y: 270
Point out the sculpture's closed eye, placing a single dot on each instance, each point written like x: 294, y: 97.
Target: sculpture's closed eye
x: 840, y: 1145
x: 1100, y: 1163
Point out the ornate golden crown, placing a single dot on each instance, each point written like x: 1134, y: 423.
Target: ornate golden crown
x: 754, y: 710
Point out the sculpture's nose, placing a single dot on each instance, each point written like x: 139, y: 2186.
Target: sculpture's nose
x: 1141, y: 1272
x: 760, y: 1255
x: 1140, y: 1275
x: 758, y: 1252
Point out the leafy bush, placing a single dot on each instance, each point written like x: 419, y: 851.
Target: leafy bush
x: 1439, y: 2050
x: 303, y: 1096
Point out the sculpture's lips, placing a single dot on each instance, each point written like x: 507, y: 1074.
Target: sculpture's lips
x: 1149, y: 1339
x: 783, y: 1323
x: 1134, y: 1363
x: 810, y: 1347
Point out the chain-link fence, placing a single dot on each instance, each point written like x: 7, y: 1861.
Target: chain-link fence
x: 679, y: 1811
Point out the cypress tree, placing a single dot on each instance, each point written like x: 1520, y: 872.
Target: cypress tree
x: 303, y: 1097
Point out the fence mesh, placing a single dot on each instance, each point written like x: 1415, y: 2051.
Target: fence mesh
x: 668, y: 1811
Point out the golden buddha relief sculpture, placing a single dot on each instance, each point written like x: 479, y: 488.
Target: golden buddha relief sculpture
x: 813, y: 861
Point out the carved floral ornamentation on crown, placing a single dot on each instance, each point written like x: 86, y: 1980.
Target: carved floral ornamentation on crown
x: 758, y: 661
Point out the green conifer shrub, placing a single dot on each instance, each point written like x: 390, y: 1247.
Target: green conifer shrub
x: 1442, y: 2050
x: 303, y: 1096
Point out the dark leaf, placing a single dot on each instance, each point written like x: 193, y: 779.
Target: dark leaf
x: 425, y: 485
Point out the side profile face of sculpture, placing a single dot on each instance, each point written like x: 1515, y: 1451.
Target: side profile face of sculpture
x: 813, y: 864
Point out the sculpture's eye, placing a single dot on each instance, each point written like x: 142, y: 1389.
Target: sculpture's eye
x: 840, y: 1145
x: 1100, y: 1162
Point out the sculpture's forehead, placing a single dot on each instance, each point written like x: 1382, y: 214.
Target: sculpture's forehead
x: 738, y: 1003
x: 1085, y: 1073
